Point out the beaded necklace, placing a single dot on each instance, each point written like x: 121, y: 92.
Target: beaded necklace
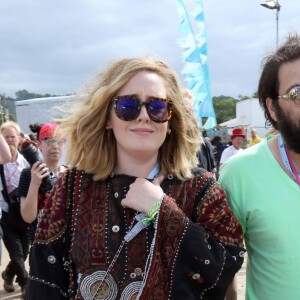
x: 133, y: 231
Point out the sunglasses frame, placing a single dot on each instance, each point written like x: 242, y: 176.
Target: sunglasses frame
x: 293, y: 94
x: 51, y: 141
x: 146, y: 104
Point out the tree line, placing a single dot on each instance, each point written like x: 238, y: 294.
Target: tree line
x: 225, y: 106
x: 8, y: 103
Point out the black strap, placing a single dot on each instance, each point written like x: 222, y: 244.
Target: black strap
x: 4, y: 192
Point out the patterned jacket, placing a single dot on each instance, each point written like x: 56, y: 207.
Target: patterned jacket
x: 192, y: 251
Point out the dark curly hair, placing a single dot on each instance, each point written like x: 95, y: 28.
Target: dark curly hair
x: 268, y: 85
x: 35, y: 128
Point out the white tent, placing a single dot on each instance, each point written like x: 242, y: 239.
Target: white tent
x: 229, y: 124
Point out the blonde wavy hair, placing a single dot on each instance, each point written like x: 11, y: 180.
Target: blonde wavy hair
x: 92, y: 148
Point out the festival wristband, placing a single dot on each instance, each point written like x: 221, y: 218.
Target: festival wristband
x: 153, y: 211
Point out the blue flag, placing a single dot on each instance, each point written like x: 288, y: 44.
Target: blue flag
x: 196, y: 68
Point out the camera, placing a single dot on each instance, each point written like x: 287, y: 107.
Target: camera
x: 30, y: 153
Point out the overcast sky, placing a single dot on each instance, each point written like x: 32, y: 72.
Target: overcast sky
x: 55, y: 46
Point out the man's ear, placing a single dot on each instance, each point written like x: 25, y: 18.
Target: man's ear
x: 271, y: 109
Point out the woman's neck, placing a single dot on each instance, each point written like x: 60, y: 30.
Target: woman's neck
x: 135, y: 166
x: 53, y: 166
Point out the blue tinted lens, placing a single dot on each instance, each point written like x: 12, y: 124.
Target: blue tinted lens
x: 127, y: 109
x: 158, y: 110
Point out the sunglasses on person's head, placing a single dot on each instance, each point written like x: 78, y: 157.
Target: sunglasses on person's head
x: 293, y: 94
x: 128, y: 108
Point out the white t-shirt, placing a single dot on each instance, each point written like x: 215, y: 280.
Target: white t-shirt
x: 230, y: 151
x: 12, y: 172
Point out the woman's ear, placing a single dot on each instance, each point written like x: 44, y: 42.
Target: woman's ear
x: 271, y: 109
x: 108, y: 124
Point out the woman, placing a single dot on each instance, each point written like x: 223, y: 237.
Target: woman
x: 33, y: 197
x: 133, y: 220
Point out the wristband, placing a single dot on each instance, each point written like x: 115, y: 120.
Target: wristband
x: 153, y: 211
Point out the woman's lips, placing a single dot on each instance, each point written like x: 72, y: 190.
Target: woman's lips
x: 142, y: 130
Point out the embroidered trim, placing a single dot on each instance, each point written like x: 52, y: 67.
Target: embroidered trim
x: 53, y: 285
x: 218, y: 277
x: 175, y: 259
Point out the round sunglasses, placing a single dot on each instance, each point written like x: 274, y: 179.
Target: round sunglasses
x: 293, y: 94
x: 52, y: 141
x: 128, y: 108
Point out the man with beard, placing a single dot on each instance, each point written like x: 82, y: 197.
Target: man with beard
x: 263, y: 183
x: 15, y: 241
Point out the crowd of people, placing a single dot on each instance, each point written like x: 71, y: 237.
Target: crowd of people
x: 147, y: 206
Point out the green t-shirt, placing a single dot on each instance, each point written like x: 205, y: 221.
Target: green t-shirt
x: 266, y: 201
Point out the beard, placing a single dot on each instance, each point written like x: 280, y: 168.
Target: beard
x: 289, y: 129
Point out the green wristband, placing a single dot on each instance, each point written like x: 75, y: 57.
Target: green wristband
x: 153, y: 211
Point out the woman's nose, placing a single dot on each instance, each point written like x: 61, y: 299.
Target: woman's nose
x: 143, y: 114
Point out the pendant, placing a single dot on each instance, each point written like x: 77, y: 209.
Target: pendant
x: 131, y: 291
x: 90, y: 288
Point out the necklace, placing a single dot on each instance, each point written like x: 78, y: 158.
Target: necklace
x: 55, y: 174
x: 133, y: 231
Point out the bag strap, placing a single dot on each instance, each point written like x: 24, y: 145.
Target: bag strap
x: 5, y: 194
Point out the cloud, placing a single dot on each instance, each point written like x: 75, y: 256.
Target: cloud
x: 55, y: 46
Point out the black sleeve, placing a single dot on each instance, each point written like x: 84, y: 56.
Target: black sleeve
x: 24, y: 182
x: 53, y: 280
x: 210, y: 154
x: 206, y: 156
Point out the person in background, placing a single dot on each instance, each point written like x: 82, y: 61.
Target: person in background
x: 23, y: 138
x: 33, y: 196
x: 255, y: 139
x: 237, y: 139
x: 205, y: 154
x: 5, y: 157
x: 134, y: 218
x: 263, y: 182
x: 219, y: 147
x: 16, y: 242
x: 271, y: 133
x: 34, y: 139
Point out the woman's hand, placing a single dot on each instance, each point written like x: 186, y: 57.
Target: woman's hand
x: 38, y: 172
x: 143, y: 194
